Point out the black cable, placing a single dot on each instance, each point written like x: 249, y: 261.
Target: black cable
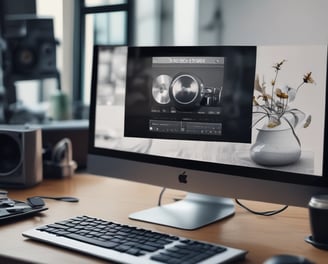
x: 264, y: 213
x: 160, y: 196
x: 61, y: 198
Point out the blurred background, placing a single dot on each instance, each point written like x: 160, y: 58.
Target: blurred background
x: 46, y: 46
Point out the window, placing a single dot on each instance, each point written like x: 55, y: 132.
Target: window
x: 103, y: 2
x: 100, y: 22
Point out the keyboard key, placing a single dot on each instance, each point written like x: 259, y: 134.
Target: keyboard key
x: 91, y: 240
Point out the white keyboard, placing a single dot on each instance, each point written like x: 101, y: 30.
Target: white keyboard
x: 129, y: 244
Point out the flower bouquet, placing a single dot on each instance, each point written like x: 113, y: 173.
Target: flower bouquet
x: 275, y: 107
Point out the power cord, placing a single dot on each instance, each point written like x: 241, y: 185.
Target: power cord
x: 61, y: 198
x: 264, y: 213
x: 160, y: 196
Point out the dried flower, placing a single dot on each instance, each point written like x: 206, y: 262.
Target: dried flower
x: 308, y: 121
x: 277, y: 66
x: 275, y: 107
x: 307, y: 78
x: 281, y: 94
x: 255, y: 102
x: 274, y: 122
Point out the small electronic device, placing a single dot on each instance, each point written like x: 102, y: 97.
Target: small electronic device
x: 12, y: 210
x: 60, y: 164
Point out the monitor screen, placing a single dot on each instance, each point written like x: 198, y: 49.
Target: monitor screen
x: 233, y: 121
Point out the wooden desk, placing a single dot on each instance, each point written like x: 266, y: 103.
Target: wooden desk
x: 113, y: 199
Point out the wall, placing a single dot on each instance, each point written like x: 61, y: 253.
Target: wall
x: 274, y: 22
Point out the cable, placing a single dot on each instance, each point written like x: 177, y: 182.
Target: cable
x: 264, y: 213
x: 61, y: 198
x: 160, y: 196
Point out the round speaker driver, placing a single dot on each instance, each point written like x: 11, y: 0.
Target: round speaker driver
x: 160, y: 91
x: 185, y: 89
x: 10, y: 154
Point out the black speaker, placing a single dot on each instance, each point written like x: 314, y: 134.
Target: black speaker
x: 31, y: 47
x: 20, y: 156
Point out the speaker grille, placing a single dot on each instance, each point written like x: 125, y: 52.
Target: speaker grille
x: 10, y: 154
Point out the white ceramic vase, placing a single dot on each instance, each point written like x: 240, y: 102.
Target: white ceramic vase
x: 275, y: 147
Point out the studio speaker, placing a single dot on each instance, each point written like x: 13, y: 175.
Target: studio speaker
x: 20, y: 156
x: 31, y: 47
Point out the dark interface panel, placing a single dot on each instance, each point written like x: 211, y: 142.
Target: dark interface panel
x: 195, y: 93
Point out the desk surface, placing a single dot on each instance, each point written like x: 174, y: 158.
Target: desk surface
x: 114, y: 200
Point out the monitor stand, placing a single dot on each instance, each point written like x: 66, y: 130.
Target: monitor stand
x: 192, y: 212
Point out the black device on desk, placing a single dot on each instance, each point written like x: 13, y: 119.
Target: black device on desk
x: 60, y: 163
x: 11, y: 210
x: 75, y: 130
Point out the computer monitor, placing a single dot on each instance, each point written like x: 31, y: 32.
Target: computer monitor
x: 218, y: 122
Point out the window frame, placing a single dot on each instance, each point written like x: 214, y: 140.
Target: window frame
x: 81, y: 11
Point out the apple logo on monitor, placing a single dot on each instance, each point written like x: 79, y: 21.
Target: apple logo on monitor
x: 183, y: 177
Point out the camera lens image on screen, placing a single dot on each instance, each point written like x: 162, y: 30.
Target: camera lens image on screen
x: 182, y: 93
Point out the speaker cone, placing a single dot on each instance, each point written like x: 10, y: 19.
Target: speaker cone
x: 10, y: 154
x: 185, y: 91
x: 25, y: 59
